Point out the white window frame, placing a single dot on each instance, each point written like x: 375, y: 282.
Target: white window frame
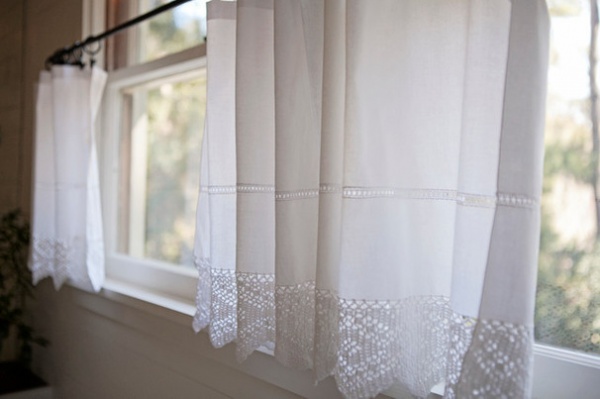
x: 558, y: 372
x: 162, y: 278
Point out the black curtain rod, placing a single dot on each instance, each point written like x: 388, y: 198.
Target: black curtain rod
x: 72, y: 54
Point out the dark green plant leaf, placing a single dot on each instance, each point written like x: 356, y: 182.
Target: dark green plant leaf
x: 16, y: 284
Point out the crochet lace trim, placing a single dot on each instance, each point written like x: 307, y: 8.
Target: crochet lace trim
x: 366, y: 345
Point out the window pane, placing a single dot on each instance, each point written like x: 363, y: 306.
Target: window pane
x: 568, y: 297
x: 160, y: 169
x: 169, y: 32
x: 172, y: 31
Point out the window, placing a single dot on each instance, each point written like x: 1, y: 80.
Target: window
x: 568, y: 295
x: 153, y: 120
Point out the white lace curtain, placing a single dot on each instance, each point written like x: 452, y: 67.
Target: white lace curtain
x: 369, y: 201
x: 67, y: 242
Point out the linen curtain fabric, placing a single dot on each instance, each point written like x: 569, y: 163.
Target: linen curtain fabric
x: 67, y: 240
x: 369, y: 202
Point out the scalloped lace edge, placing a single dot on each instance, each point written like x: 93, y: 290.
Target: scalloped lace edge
x: 365, y: 345
x: 65, y: 260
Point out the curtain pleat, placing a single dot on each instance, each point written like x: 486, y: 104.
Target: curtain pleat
x: 67, y: 237
x: 369, y: 202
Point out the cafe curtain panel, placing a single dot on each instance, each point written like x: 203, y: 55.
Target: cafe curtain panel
x: 67, y: 242
x: 369, y: 202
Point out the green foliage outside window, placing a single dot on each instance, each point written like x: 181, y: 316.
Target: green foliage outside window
x: 175, y: 114
x: 568, y: 292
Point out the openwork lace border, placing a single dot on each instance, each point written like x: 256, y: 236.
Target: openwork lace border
x: 462, y: 198
x: 366, y: 345
x: 65, y: 259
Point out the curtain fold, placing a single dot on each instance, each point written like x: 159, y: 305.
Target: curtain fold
x: 67, y: 238
x: 369, y: 202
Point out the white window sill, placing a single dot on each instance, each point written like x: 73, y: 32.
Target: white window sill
x: 128, y: 293
x: 558, y: 372
x: 181, y: 311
